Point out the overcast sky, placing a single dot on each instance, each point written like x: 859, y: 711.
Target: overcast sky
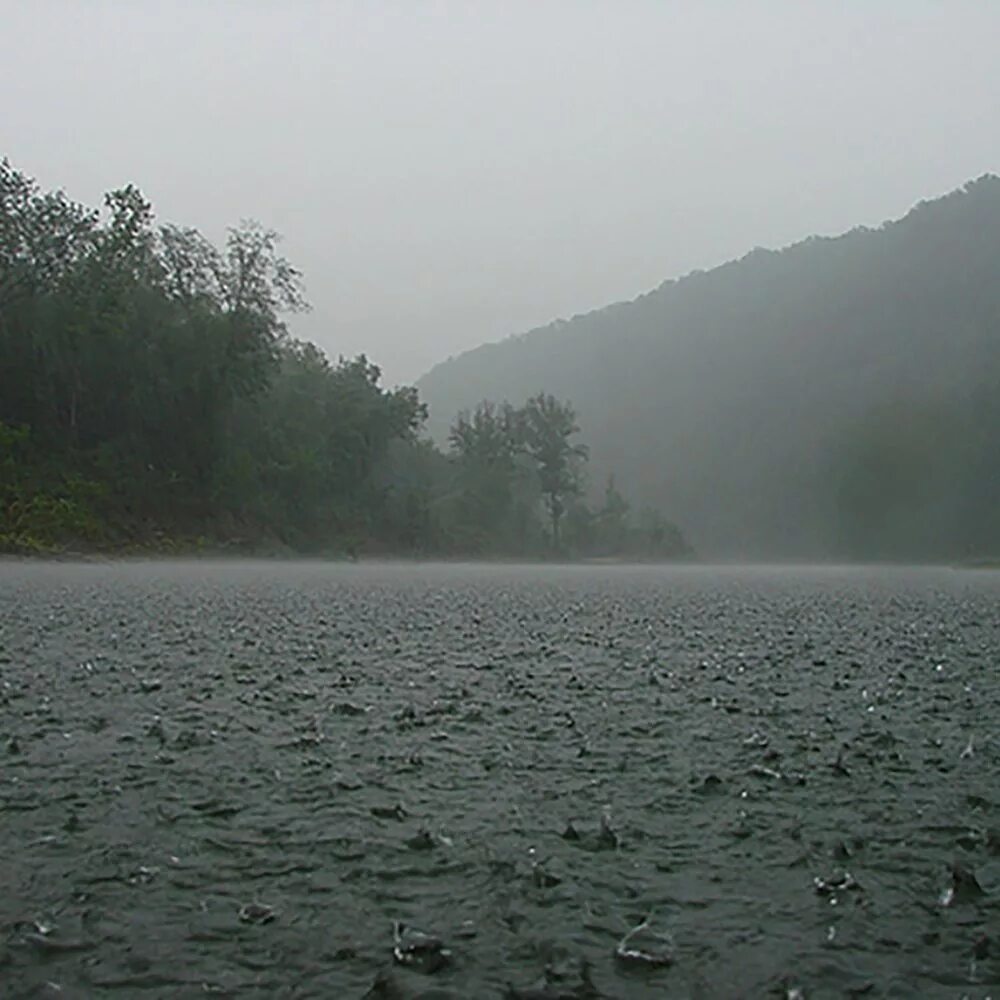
x: 451, y: 173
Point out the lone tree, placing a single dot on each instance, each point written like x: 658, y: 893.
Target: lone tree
x: 546, y: 428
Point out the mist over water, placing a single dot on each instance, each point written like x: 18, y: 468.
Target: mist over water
x: 589, y: 295
x: 235, y: 777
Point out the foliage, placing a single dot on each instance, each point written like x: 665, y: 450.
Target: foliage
x: 511, y: 461
x: 494, y: 492
x: 41, y: 512
x: 547, y: 426
x: 151, y: 393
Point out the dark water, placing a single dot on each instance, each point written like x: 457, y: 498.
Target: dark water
x: 354, y: 745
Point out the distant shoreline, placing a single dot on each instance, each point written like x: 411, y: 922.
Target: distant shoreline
x: 99, y: 557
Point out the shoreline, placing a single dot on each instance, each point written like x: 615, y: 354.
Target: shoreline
x: 228, y: 555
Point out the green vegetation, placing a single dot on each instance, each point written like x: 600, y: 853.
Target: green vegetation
x: 151, y: 398
x: 507, y: 460
x: 834, y: 400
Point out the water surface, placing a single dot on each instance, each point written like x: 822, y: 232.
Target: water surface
x: 796, y: 769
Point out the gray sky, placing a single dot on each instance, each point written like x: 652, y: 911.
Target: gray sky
x: 451, y: 173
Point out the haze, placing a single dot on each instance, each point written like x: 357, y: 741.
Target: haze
x: 447, y: 174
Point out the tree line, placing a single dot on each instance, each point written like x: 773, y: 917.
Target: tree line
x: 151, y: 396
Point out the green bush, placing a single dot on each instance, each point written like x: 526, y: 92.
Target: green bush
x: 37, y: 514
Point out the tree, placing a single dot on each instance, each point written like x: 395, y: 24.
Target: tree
x: 546, y: 427
x: 613, y: 518
x: 485, y: 445
x: 150, y: 392
x: 305, y: 458
x: 488, y: 436
x: 41, y: 236
x: 43, y: 239
x: 659, y: 537
x: 124, y: 347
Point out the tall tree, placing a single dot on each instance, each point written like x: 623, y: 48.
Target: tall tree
x: 547, y: 425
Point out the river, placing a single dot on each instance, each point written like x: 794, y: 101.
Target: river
x: 233, y: 778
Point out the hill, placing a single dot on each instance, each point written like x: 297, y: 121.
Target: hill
x: 834, y: 399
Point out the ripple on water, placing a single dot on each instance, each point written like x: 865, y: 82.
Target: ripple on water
x: 388, y: 781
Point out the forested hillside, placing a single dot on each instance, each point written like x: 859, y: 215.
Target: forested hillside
x: 152, y: 399
x: 836, y: 399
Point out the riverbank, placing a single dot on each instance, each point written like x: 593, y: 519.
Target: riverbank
x: 162, y: 546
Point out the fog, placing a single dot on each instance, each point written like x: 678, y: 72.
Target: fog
x: 628, y: 633
x: 447, y: 174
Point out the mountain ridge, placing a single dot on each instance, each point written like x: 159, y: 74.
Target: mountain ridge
x: 856, y: 316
